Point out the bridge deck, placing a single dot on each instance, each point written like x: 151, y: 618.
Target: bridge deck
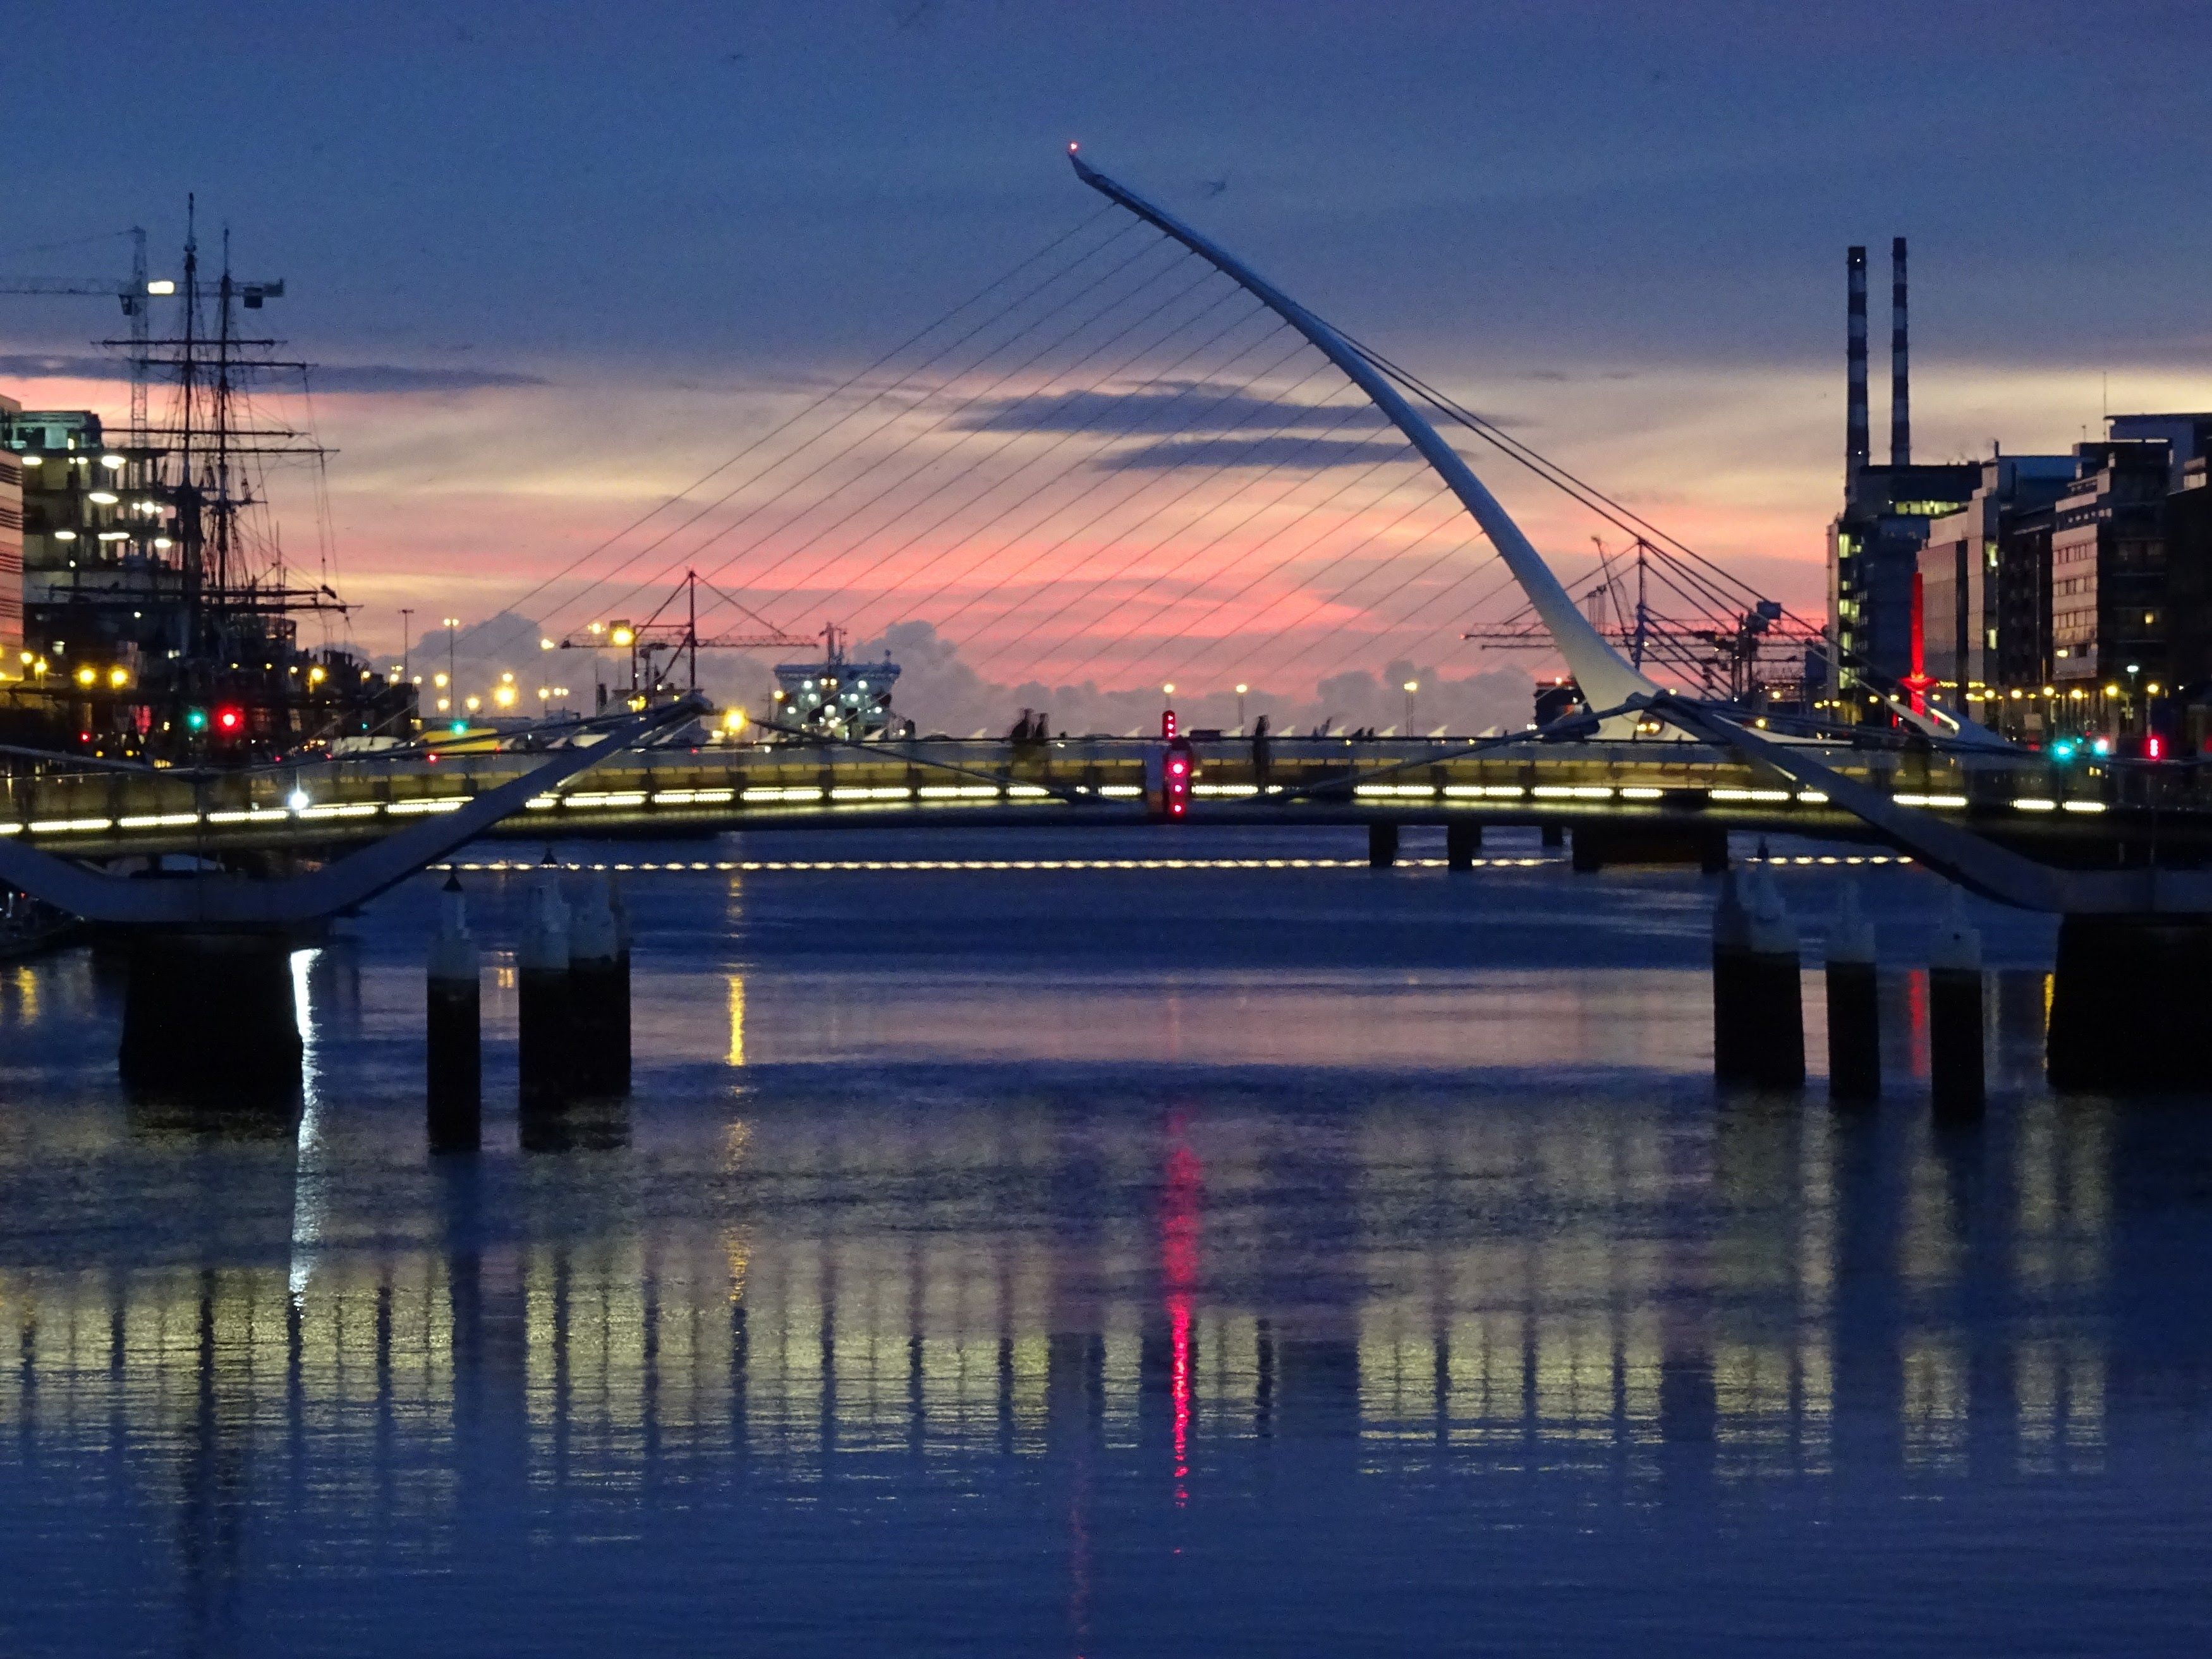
x: 1092, y: 781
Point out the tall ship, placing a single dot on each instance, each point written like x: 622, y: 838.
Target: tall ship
x: 159, y: 618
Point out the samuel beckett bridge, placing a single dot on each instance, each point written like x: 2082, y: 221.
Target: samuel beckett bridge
x: 1134, y: 459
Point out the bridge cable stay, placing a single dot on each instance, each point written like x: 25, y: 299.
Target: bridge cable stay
x: 1196, y: 410
x: 1197, y: 479
x: 1079, y: 464
x: 888, y: 393
x: 1371, y: 605
x: 833, y: 393
x: 1255, y: 651
x: 1168, y: 604
x: 1090, y: 425
x: 1200, y: 620
x: 976, y: 465
x: 1304, y: 447
x: 692, y: 555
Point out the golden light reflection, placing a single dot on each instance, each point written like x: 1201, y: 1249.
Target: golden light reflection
x: 923, y: 1324
x: 737, y: 1054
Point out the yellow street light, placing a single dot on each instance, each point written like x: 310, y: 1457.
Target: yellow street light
x: 86, y: 675
x: 622, y: 634
x: 472, y: 703
x: 317, y: 675
x: 118, y: 677
x: 504, y: 696
x: 734, y: 720
x: 439, y: 680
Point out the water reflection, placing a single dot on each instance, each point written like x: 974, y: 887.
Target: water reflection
x: 1080, y: 1317
x: 1562, y: 1289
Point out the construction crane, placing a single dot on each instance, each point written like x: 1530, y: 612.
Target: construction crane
x: 134, y: 291
x: 676, y: 639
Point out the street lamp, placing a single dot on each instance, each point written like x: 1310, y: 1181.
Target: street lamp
x: 1240, y: 689
x: 451, y: 623
x: 406, y: 639
x: 1412, y: 686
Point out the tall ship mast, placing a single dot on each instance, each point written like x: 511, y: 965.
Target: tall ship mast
x: 160, y: 620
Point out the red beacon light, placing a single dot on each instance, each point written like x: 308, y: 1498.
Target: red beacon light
x: 1175, y: 779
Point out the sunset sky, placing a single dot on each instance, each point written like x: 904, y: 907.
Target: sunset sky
x: 561, y: 260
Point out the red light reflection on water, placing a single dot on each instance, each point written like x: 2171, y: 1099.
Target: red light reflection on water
x: 1180, y: 1205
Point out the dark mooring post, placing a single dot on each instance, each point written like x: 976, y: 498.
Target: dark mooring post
x: 1776, y: 1038
x: 1382, y: 845
x: 2127, y: 1004
x: 1554, y: 834
x: 1954, y: 1016
x: 211, y: 1015
x: 455, y: 1030
x: 1854, y: 1007
x: 1461, y: 843
x: 542, y: 1000
x: 598, y: 997
x: 1759, y: 1019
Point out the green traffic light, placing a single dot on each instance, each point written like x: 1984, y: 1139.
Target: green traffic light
x: 457, y: 728
x: 196, y: 720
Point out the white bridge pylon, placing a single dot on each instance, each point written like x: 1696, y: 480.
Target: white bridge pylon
x: 1607, y: 679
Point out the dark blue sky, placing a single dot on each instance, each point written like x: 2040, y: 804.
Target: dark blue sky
x: 1541, y: 183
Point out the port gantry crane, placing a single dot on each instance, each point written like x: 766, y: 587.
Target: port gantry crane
x: 657, y: 645
x: 1722, y: 649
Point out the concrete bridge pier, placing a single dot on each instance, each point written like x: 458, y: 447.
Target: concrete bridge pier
x: 2128, y: 1001
x: 544, y: 1035
x: 1382, y: 845
x: 210, y: 1016
x: 1461, y: 843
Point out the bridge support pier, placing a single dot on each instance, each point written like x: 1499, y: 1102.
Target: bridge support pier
x: 2127, y: 1004
x: 1854, y: 1006
x: 1758, y: 1015
x: 1554, y: 834
x: 210, y: 1016
x: 543, y: 1015
x: 598, y: 998
x: 1461, y: 843
x: 1956, y: 1048
x: 1382, y: 845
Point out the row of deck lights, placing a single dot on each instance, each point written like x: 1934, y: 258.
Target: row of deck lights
x: 299, y: 806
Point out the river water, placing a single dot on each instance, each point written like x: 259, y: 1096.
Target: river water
x: 1102, y: 1260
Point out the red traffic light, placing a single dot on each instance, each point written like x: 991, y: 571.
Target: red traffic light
x: 230, y: 720
x: 1168, y: 724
